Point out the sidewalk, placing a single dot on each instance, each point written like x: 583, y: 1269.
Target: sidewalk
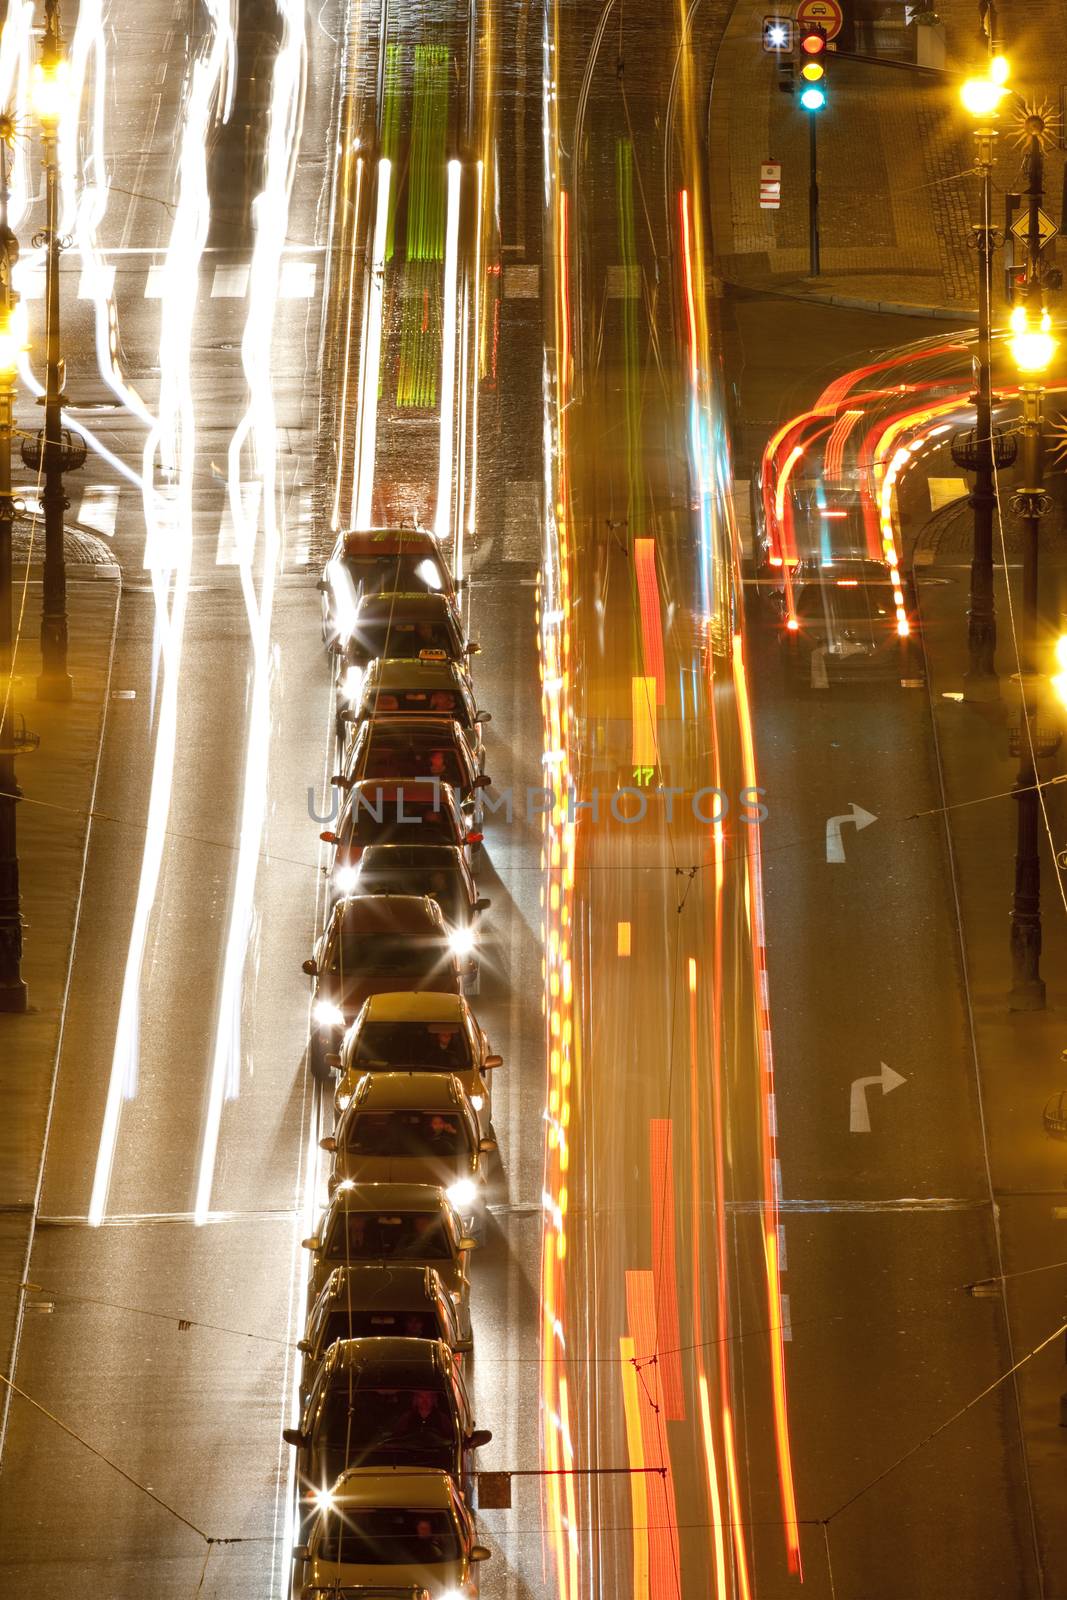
x: 894, y: 152
x: 51, y: 844
x: 1018, y: 1054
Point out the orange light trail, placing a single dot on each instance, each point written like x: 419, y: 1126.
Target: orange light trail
x: 668, y: 1333
x: 651, y: 619
x: 663, y: 1552
x: 687, y: 278
x: 714, y: 1499
x: 636, y: 1452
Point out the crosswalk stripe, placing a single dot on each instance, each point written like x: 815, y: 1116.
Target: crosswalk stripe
x: 297, y: 280
x: 226, y: 553
x: 99, y: 508
x: 159, y: 549
x: 229, y: 283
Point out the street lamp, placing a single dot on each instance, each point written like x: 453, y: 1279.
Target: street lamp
x: 981, y: 97
x: 49, y: 89
x: 13, y: 992
x: 1033, y: 347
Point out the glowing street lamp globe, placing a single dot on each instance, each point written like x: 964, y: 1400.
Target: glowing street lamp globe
x: 1032, y: 344
x: 982, y: 96
x: 49, y: 90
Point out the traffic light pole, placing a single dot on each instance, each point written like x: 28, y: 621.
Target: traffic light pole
x: 813, y: 197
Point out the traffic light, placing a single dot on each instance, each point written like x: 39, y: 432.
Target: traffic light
x: 813, y: 68
x: 778, y: 33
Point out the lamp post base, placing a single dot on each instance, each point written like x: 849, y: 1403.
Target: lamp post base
x: 1027, y: 985
x: 14, y: 997
x: 982, y: 688
x: 55, y: 686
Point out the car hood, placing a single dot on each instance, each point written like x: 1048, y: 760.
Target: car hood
x: 438, y: 1576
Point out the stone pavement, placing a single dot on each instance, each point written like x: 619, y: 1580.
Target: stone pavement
x: 1018, y: 1055
x: 895, y: 154
x: 57, y: 781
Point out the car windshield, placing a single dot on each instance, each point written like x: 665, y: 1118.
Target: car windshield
x: 436, y: 702
x: 375, y: 952
x: 383, y: 635
x: 360, y: 1426
x: 377, y: 822
x: 393, y: 758
x: 413, y: 1044
x: 359, y: 1322
x: 390, y: 1537
x: 376, y: 574
x: 843, y: 602
x: 407, y: 1133
x: 405, y: 1236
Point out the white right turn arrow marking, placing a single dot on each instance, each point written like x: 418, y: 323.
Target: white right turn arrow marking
x: 859, y: 1117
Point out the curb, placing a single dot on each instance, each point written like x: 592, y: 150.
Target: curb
x: 894, y: 308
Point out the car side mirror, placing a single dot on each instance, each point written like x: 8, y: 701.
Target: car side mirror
x: 493, y: 1061
x: 328, y: 1143
x: 312, y: 1242
x: 339, y: 781
x: 302, y: 1552
x: 483, y: 716
x: 463, y: 1347
x: 323, y: 586
x: 332, y: 1059
x: 483, y: 781
x: 472, y: 649
x: 298, y: 1440
x: 327, y: 837
x: 304, y: 1346
x: 311, y: 967
x: 483, y: 904
x: 467, y: 1243
x: 480, y: 1436
x: 486, y: 1145
x: 480, y: 1552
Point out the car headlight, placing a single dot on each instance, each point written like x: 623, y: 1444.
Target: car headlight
x: 328, y: 1014
x: 342, y: 1101
x: 345, y: 879
x: 463, y: 1194
x: 353, y: 684
x: 452, y: 1594
x: 477, y: 1101
x: 461, y: 941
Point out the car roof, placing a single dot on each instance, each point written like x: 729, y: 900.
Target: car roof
x: 402, y: 1005
x: 390, y: 913
x: 402, y: 603
x: 399, y: 672
x: 423, y: 725
x: 391, y: 1197
x: 424, y: 1091
x: 393, y: 857
x: 402, y: 1357
x: 389, y: 541
x: 400, y: 1286
x: 393, y: 1486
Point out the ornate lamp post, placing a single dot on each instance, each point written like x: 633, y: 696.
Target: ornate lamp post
x: 12, y: 735
x: 49, y: 89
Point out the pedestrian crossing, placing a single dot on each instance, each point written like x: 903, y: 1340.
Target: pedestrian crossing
x: 297, y: 280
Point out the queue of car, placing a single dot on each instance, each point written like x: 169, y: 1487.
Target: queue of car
x: 386, y: 1436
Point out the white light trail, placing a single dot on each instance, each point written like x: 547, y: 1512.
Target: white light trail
x: 371, y: 359
x: 473, y: 497
x: 443, y: 517
x: 258, y: 426
x: 173, y: 440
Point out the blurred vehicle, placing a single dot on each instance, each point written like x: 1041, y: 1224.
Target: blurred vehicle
x: 400, y: 1300
x: 389, y: 746
x: 848, y: 621
x: 377, y: 561
x: 421, y: 1033
x: 399, y: 1527
x: 438, y: 870
x: 375, y: 943
x: 376, y: 1222
x: 394, y: 811
x: 429, y: 686
x: 413, y: 1127
x: 384, y: 1402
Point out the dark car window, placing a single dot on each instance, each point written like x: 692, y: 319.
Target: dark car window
x: 375, y: 952
x: 362, y: 1426
x: 843, y: 602
x: 361, y: 1322
x: 391, y: 758
x: 383, y: 635
x: 377, y: 822
x: 413, y: 1044
x: 405, y: 1235
x: 407, y: 1133
x: 390, y: 1537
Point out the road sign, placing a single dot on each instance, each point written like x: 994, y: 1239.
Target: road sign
x: 1046, y: 228
x: 770, y: 185
x: 825, y: 14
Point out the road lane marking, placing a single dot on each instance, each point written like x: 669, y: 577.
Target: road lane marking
x: 229, y: 283
x: 156, y: 281
x: 522, y: 283
x: 98, y: 279
x: 835, y: 849
x: 664, y: 1279
x: 859, y: 1116
x: 99, y: 508
x: 297, y: 280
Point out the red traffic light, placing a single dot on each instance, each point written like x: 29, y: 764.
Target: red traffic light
x: 813, y: 41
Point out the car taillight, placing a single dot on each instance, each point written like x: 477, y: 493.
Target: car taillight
x: 793, y: 625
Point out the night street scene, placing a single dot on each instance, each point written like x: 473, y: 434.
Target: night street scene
x: 533, y: 799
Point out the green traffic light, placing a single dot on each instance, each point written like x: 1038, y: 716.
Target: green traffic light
x: 813, y: 99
